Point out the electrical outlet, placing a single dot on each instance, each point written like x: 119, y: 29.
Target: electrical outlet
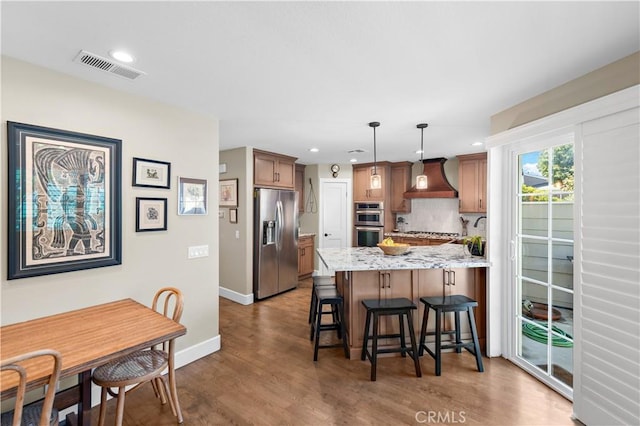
x: 198, y: 251
x: 237, y: 234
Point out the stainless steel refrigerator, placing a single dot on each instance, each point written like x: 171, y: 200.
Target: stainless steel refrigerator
x: 275, y: 241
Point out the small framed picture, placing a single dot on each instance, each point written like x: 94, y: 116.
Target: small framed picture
x: 192, y: 196
x: 151, y: 214
x: 229, y: 193
x: 233, y: 215
x: 151, y: 173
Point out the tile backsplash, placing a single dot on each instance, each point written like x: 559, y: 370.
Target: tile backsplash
x: 439, y: 215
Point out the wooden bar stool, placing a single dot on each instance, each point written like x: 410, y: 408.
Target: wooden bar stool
x: 328, y: 296
x: 401, y: 307
x: 441, y: 305
x: 318, y: 280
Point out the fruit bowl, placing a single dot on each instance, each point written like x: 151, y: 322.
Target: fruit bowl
x: 394, y: 250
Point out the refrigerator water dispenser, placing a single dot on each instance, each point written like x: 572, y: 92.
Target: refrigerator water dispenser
x: 268, y: 232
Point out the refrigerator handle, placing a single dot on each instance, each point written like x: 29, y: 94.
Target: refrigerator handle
x: 278, y: 224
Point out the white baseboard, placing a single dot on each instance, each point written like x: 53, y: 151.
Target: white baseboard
x: 243, y: 299
x: 197, y: 351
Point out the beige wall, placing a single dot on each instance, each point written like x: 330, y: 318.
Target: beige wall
x: 150, y: 260
x: 611, y: 78
x: 309, y: 220
x: 236, y: 254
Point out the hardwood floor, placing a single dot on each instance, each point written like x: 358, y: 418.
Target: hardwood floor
x: 265, y: 375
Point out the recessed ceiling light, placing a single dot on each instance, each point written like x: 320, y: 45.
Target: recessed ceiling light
x: 354, y: 160
x: 314, y: 149
x: 476, y: 143
x: 122, y: 56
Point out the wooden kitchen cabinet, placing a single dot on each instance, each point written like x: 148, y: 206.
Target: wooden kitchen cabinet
x: 306, y: 256
x: 469, y: 282
x: 400, y: 183
x: 356, y: 286
x: 273, y: 170
x: 378, y: 285
x: 299, y: 186
x: 419, y: 241
x: 472, y: 183
x: 362, y: 182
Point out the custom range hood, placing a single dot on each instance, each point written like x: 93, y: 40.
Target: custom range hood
x: 438, y: 185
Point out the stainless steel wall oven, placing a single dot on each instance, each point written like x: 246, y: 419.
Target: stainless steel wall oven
x: 368, y: 223
x: 369, y: 214
x: 368, y: 236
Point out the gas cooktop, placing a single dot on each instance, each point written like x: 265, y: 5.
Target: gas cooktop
x: 435, y: 234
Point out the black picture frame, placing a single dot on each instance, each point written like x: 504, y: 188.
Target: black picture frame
x: 64, y: 204
x: 151, y: 214
x: 151, y: 173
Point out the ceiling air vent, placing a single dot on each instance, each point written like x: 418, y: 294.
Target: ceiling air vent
x: 94, y: 61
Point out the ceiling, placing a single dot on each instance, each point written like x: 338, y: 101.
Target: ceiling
x: 289, y: 76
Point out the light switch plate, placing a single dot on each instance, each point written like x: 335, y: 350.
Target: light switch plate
x: 198, y: 251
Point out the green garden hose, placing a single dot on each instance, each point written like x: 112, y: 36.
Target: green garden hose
x: 540, y: 335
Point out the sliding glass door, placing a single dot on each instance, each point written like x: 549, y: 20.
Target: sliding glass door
x: 543, y: 243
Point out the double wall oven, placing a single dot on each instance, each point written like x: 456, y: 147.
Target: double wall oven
x: 368, y: 223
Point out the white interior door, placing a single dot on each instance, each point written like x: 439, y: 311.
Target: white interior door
x: 335, y: 218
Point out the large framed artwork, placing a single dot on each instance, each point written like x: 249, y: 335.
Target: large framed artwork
x: 64, y: 201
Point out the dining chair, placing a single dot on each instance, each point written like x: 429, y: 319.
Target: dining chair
x: 43, y: 413
x: 144, y: 366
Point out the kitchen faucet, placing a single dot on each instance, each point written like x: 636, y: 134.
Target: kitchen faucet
x: 475, y: 225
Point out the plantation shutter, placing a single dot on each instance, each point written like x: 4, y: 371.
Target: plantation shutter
x: 608, y: 266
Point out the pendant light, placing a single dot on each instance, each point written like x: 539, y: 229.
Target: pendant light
x: 376, y: 180
x: 421, y: 180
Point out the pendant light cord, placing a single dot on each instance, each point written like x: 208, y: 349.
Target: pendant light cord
x: 422, y: 126
x: 375, y: 170
x: 421, y: 143
x: 374, y: 124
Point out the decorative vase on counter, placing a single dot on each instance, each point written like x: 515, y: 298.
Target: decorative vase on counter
x: 474, y: 245
x: 401, y: 224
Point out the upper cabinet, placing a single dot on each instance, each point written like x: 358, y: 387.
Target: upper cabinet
x: 362, y: 182
x: 273, y: 170
x: 400, y: 183
x: 472, y: 183
x: 299, y: 186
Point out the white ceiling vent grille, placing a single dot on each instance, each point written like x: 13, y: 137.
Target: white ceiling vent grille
x: 94, y: 61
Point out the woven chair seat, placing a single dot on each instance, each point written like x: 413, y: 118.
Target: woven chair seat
x: 131, y: 368
x: 30, y: 416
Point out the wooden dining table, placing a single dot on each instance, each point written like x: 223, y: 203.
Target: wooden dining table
x: 86, y: 338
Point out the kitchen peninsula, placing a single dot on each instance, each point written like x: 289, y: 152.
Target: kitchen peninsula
x: 367, y: 273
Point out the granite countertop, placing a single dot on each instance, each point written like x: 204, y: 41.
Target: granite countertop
x: 418, y: 257
x: 306, y: 234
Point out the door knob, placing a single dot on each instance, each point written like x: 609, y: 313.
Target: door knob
x: 326, y: 235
